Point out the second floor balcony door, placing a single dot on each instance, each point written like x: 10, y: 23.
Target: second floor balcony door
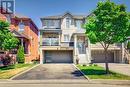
x: 79, y: 24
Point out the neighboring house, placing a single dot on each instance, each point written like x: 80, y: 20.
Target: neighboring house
x: 62, y: 40
x: 26, y: 31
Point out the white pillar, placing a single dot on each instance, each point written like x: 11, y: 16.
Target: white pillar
x: 122, y: 56
x: 41, y: 56
x: 89, y: 50
x: 75, y: 48
x: 21, y: 41
x: 59, y: 39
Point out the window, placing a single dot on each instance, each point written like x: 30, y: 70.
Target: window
x: 21, y: 26
x: 68, y: 22
x: 66, y: 38
x: 51, y: 22
x: 8, y: 19
x: 78, y: 24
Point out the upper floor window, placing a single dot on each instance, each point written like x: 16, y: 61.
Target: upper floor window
x: 78, y: 24
x: 8, y: 18
x: 68, y: 22
x: 51, y: 23
x: 21, y: 26
x: 66, y: 38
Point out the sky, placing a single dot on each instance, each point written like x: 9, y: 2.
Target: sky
x: 35, y: 9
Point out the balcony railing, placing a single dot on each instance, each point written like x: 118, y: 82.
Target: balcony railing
x: 50, y: 42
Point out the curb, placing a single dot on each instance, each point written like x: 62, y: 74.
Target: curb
x: 82, y: 72
x: 23, y: 72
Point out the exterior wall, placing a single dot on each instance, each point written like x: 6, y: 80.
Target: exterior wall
x: 31, y: 31
x: 70, y: 31
x: 3, y: 17
x: 75, y: 33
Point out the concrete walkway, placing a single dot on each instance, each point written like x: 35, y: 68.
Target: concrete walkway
x: 51, y: 71
x: 119, y: 68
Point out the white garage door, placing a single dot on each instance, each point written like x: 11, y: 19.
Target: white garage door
x: 99, y: 57
x: 58, y: 56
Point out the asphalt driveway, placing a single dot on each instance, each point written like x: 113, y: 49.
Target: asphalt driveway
x: 51, y: 71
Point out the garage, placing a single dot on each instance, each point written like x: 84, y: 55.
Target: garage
x: 99, y: 57
x: 58, y: 56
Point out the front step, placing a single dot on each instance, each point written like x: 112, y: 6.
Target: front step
x: 83, y: 59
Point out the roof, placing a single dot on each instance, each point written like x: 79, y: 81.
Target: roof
x: 19, y: 35
x: 19, y: 16
x: 62, y: 16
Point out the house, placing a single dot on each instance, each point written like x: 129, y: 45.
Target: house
x: 26, y: 31
x: 63, y: 40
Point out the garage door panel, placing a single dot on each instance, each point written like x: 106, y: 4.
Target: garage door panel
x: 99, y: 57
x: 60, y: 56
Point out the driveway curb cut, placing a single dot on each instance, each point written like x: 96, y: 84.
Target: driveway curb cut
x: 23, y: 72
x: 81, y: 72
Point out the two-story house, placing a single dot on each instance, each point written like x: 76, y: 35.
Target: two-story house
x: 63, y: 40
x: 26, y: 31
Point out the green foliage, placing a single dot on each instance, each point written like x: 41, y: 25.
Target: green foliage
x: 108, y: 24
x: 20, y: 55
x: 7, y: 40
x: 128, y: 45
x: 97, y: 72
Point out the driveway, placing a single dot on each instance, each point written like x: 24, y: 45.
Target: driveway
x: 119, y: 68
x: 51, y: 71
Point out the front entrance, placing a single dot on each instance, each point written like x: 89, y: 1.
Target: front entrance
x: 58, y: 56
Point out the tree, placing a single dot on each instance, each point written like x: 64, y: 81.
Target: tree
x: 20, y: 55
x: 7, y: 40
x: 108, y: 24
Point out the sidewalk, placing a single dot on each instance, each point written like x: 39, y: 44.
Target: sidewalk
x: 94, y: 82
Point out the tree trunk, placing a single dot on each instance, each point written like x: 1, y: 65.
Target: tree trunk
x: 106, y: 61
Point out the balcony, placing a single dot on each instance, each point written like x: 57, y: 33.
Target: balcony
x: 50, y: 42
x: 99, y: 46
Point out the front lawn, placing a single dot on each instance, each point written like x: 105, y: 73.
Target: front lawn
x: 9, y: 71
x: 97, y: 72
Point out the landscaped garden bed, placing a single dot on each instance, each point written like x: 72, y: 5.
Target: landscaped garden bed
x: 7, y: 72
x: 97, y: 72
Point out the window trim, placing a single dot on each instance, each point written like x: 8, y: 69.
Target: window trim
x: 21, y: 24
x: 68, y: 22
x: 66, y: 38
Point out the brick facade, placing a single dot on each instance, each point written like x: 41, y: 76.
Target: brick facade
x: 30, y: 31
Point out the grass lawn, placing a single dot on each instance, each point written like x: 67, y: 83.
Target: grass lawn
x: 9, y: 71
x: 97, y: 72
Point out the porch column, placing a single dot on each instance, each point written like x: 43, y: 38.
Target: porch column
x: 89, y: 51
x: 75, y: 48
x: 122, y: 55
x: 21, y: 41
x: 59, y: 39
x: 41, y: 56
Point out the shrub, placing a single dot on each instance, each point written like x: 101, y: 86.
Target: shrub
x: 6, y: 60
x: 20, y: 55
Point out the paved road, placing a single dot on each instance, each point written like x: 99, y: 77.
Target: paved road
x: 51, y: 71
x: 119, y: 68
